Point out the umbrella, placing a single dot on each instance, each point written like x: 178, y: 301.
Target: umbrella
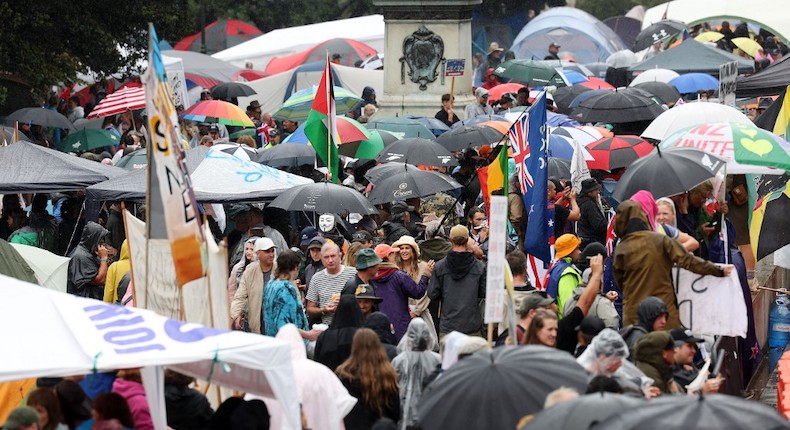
x: 386, y: 136
x: 565, y: 95
x: 694, y: 82
x: 585, y: 96
x: 703, y: 412
x: 479, y: 119
x: 662, y: 31
x: 243, y: 132
x: 417, y: 151
x: 385, y: 170
x: 324, y: 197
x: 594, y: 83
x: 231, y: 90
x: 287, y: 155
x: 401, y: 127
x: 127, y: 98
x: 622, y: 59
x: 573, y: 77
x: 349, y: 50
x: 583, y: 413
x: 615, y: 152
x: 654, y: 75
x: 218, y: 111
x: 584, y: 136
x: 237, y: 150
x: 458, y: 139
x: 366, y: 149
x: 530, y: 72
x: 298, y: 106
x: 406, y: 185
x: 93, y: 124
x: 348, y: 129
x: 709, y: 36
x: 560, y: 169
x: 220, y: 35
x: 7, y: 135
x: 498, y: 91
x: 666, y: 173
x: 746, y: 45
x: 373, y: 62
x: 51, y: 269
x: 139, y: 159
x: 437, y: 127
x: 562, y: 147
x: 40, y: 116
x: 689, y: 114
x: 665, y: 92
x: 770, y: 211
x: 87, y: 139
x: 617, y: 107
x: 744, y: 147
x: 514, y: 379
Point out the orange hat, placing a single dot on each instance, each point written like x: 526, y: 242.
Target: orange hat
x: 565, y: 245
x: 383, y: 250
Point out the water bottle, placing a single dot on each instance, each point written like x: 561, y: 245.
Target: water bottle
x: 779, y: 322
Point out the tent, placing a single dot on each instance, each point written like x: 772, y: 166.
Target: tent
x: 203, y: 70
x: 88, y: 335
x: 766, y: 13
x: 51, y: 269
x: 220, y: 35
x: 771, y: 81
x: 693, y: 57
x: 30, y: 168
x: 14, y: 265
x: 286, y: 41
x: 274, y: 90
x: 576, y: 31
x: 350, y: 52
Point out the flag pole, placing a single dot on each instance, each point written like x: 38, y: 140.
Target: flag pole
x: 149, y: 166
x: 328, y: 84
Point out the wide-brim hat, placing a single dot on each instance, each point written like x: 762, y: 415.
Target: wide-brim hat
x: 493, y: 46
x: 408, y: 240
x: 366, y: 291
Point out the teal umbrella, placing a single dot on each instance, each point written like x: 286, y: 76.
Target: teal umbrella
x: 402, y: 127
x: 243, y: 132
x: 298, y: 106
x: 88, y: 139
x: 530, y: 72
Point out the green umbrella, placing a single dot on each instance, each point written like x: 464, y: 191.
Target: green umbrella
x: 136, y: 160
x: 402, y: 127
x: 530, y: 72
x: 243, y: 132
x: 298, y: 106
x: 367, y: 149
x: 88, y: 139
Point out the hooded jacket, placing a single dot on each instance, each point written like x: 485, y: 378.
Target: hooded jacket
x: 395, y: 287
x: 115, y: 273
x: 650, y: 360
x: 649, y: 310
x: 333, y: 346
x: 186, y: 407
x: 394, y: 230
x: 459, y: 282
x: 414, y: 365
x: 643, y: 261
x: 593, y: 222
x: 379, y: 323
x: 134, y: 393
x: 84, y: 263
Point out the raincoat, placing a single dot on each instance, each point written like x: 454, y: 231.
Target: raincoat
x: 84, y: 263
x: 414, y: 365
x: 602, y: 355
x: 649, y: 359
x: 115, y: 273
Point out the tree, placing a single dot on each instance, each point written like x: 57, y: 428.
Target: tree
x: 603, y: 9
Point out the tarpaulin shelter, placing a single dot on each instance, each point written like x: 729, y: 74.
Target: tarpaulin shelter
x: 576, y: 31
x: 204, y: 70
x: 768, y: 82
x: 220, y: 35
x: 350, y: 52
x: 692, y: 56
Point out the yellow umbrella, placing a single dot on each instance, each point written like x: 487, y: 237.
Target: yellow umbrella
x: 709, y: 36
x: 747, y: 45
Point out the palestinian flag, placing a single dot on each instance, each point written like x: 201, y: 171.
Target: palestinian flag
x: 321, y: 128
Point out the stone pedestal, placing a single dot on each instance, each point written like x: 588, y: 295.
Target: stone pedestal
x: 420, y: 37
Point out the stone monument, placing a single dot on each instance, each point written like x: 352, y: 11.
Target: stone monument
x: 424, y: 40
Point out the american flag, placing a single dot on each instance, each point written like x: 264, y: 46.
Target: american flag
x: 519, y: 142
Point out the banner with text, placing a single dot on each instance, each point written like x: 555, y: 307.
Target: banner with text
x: 710, y: 305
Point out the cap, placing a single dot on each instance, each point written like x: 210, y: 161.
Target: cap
x: 22, y: 416
x: 554, y: 45
x: 361, y: 236
x: 367, y: 258
x: 592, y: 249
x: 589, y: 185
x: 213, y: 127
x: 407, y: 240
x: 459, y: 231
x: 263, y: 244
x: 366, y: 291
x: 317, y: 242
x: 534, y: 300
x: 481, y: 92
x: 493, y: 46
x: 681, y: 336
x: 566, y: 244
x: 399, y: 208
x: 308, y: 233
x: 591, y: 325
x: 383, y: 250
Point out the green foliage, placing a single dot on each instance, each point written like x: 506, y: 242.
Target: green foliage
x: 603, y: 9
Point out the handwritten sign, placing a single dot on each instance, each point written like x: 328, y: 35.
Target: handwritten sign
x: 455, y: 67
x: 497, y: 242
x: 710, y: 305
x: 728, y: 72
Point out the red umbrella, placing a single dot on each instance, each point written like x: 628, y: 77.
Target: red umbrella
x: 127, y: 98
x: 594, y: 83
x: 498, y: 91
x: 220, y: 35
x: 617, y: 151
x: 350, y: 52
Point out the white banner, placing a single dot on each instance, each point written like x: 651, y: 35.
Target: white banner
x: 728, y: 72
x: 497, y: 243
x: 579, y: 169
x: 710, y: 305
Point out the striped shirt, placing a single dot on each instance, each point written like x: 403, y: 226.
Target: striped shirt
x: 323, y: 286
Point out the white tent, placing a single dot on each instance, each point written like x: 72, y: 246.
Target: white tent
x: 766, y: 13
x: 72, y: 336
x: 286, y: 41
x: 221, y: 172
x: 51, y: 269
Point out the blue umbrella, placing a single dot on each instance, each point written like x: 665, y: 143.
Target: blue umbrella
x: 586, y: 95
x: 437, y: 127
x: 694, y: 82
x: 573, y: 76
x: 560, y: 147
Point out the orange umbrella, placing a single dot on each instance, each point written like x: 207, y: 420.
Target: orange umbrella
x: 500, y: 126
x: 594, y: 83
x: 498, y: 91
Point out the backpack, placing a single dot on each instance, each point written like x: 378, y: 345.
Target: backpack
x: 601, y: 307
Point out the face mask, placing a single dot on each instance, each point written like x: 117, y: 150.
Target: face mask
x: 326, y: 223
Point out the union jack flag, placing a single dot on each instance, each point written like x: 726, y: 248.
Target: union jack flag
x: 263, y: 133
x: 518, y: 134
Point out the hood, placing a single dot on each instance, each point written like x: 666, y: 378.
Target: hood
x: 379, y: 323
x: 128, y: 389
x: 648, y: 204
x: 92, y: 235
x: 460, y: 263
x: 290, y: 334
x: 347, y: 314
x: 367, y: 92
x: 386, y: 270
x: 650, y: 348
x: 124, y: 250
x: 630, y: 218
x: 418, y: 337
x: 650, y: 309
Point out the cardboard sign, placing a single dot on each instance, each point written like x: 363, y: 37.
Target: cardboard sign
x: 710, y: 305
x: 455, y: 67
x: 728, y: 72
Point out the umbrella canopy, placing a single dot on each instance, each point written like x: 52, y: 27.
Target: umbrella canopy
x: 231, y: 90
x: 689, y: 114
x: 498, y: 377
x: 770, y: 214
x: 594, y: 83
x: 401, y: 127
x: 665, y: 92
x: 377, y: 173
x: 38, y: 169
x: 127, y: 98
x: 585, y: 96
x: 40, y: 116
x: 323, y: 197
x: 565, y: 95
x: 243, y: 132
x: 7, y: 135
x: 746, y: 45
x: 664, y: 31
x: 583, y: 413
x: 617, y: 107
x: 218, y: 111
x: 562, y: 147
x: 287, y: 155
x: 437, y: 127
x: 621, y: 59
x: 461, y: 138
x: 298, y: 106
x: 560, y: 169
x: 51, y: 269
x: 625, y: 27
x: 654, y: 75
x: 692, y: 56
x: 366, y: 149
x: 695, y: 82
x: 237, y: 150
x: 615, y: 152
x: 709, y: 36
x: 220, y: 35
x: 204, y: 70
x: 666, y: 173
x: 583, y: 135
x: 421, y: 152
x: 406, y: 185
x: 88, y: 139
x: 572, y: 77
x: 93, y: 124
x: 530, y: 72
x: 479, y: 119
x: 348, y: 129
x: 350, y: 52
x: 705, y: 412
x: 498, y: 91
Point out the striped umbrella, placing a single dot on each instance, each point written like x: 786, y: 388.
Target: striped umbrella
x: 218, y: 111
x: 298, y: 106
x: 614, y: 152
x: 127, y: 98
x: 241, y: 151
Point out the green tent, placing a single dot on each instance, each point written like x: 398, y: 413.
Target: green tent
x: 12, y: 264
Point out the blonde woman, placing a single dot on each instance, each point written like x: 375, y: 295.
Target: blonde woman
x: 350, y: 259
x: 408, y: 260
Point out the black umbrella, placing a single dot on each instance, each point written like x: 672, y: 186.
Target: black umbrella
x: 406, y: 185
x: 40, y: 116
x: 617, y: 107
x: 287, y: 155
x: 495, y: 389
x: 560, y: 169
x: 706, y: 412
x: 417, y: 151
x: 231, y: 90
x: 668, y: 172
x: 665, y: 92
x: 324, y: 197
x: 458, y: 139
x: 658, y: 32
x: 769, y: 220
x: 565, y: 95
x: 382, y: 171
x: 582, y: 413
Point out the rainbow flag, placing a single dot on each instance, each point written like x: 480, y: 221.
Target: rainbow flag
x: 493, y: 177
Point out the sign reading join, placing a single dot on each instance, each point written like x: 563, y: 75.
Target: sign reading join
x: 727, y: 74
x: 455, y: 67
